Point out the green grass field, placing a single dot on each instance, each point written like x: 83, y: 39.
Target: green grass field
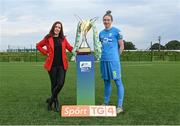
x: 152, y: 94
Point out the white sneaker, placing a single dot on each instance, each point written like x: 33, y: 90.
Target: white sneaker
x: 119, y: 110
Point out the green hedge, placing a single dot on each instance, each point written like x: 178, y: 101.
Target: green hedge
x: 126, y: 56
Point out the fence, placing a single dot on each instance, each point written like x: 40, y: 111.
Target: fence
x: 126, y: 56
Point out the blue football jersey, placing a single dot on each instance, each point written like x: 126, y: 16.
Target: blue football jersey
x: 110, y: 47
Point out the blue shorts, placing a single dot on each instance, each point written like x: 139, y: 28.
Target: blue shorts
x: 110, y: 70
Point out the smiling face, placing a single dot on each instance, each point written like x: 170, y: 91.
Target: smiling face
x: 57, y: 29
x: 107, y: 21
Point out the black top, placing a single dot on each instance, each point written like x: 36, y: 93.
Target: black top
x: 57, y: 52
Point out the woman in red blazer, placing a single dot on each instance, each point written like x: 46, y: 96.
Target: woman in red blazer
x: 56, y: 62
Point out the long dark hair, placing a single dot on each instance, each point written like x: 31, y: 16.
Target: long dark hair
x: 51, y: 32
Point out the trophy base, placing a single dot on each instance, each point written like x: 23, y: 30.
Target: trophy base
x: 84, y: 51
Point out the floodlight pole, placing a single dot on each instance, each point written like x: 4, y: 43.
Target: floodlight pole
x: 151, y: 52
x: 159, y: 39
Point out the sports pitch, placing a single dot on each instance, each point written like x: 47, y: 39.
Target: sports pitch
x: 152, y: 94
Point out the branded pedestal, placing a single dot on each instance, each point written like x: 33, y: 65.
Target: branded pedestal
x: 85, y: 80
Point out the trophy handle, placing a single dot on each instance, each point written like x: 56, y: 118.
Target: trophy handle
x: 93, y: 19
x: 77, y: 39
x: 97, y: 43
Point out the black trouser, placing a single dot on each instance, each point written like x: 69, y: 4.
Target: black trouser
x: 57, y: 77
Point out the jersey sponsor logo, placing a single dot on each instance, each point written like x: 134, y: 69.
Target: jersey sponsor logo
x: 107, y: 40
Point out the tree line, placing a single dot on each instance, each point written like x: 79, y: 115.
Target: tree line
x: 171, y: 45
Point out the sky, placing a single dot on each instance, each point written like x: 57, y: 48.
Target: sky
x: 23, y: 23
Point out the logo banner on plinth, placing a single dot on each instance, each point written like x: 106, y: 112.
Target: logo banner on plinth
x: 85, y: 80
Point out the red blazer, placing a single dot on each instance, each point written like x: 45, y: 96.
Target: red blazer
x: 49, y: 51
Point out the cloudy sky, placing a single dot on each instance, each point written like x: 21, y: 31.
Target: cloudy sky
x: 25, y: 22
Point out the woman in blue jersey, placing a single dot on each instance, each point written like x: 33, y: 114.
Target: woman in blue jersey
x: 112, y: 47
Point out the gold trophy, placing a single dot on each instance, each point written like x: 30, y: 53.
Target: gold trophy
x: 81, y: 45
x: 84, y: 47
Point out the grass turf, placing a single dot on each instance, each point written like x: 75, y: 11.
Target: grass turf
x: 151, y: 94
